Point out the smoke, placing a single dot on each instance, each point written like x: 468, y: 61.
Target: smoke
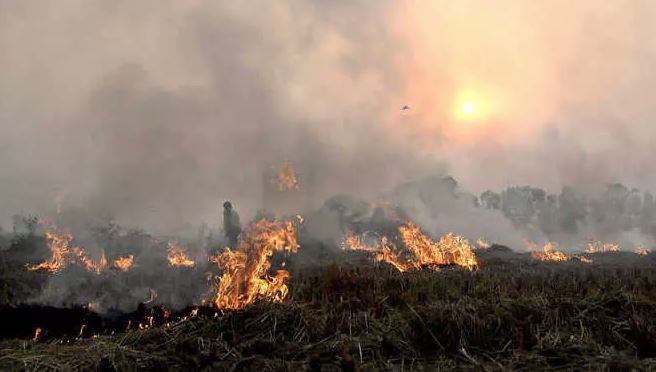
x: 155, y: 112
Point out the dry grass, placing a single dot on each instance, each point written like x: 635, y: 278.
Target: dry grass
x: 512, y: 314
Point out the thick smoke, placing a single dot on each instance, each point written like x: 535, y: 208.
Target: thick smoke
x: 155, y: 112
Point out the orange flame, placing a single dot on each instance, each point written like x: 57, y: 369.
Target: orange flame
x: 548, y: 253
x: 383, y: 250
x: 423, y: 252
x: 63, y: 255
x: 60, y: 247
x: 480, y: 243
x: 124, y: 263
x: 285, y: 177
x: 37, y: 334
x: 450, y: 250
x: 584, y: 259
x: 245, y: 278
x: 177, y: 256
x: 596, y: 246
x: 642, y: 251
x: 88, y: 263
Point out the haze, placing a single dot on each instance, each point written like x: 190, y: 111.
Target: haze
x: 156, y: 111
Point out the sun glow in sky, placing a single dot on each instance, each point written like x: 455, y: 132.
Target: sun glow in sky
x: 469, y: 106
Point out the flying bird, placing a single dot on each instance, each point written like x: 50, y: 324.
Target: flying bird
x: 405, y: 107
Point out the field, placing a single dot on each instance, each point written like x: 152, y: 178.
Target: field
x: 346, y: 313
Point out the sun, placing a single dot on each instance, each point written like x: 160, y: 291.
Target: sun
x: 468, y: 108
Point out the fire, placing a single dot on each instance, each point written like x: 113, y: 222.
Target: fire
x: 88, y: 263
x: 585, y: 259
x: 422, y: 251
x: 245, y: 277
x: 642, y: 251
x: 177, y: 256
x: 548, y: 253
x: 596, y: 246
x: 63, y: 254
x: 124, y: 263
x: 450, y: 250
x: 60, y: 247
x: 285, y: 177
x: 382, y: 249
x: 37, y: 334
x: 480, y: 243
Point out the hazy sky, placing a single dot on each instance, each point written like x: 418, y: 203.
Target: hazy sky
x: 157, y: 110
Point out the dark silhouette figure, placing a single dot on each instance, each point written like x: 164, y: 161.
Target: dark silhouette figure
x: 231, y: 225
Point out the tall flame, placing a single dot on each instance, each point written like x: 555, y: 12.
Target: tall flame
x: 245, y: 278
x: 177, y: 256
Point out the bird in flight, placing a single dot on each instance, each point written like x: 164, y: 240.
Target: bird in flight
x: 405, y: 107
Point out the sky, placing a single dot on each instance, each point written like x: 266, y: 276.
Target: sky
x: 155, y: 112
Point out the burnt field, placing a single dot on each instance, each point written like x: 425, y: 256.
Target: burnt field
x: 345, y: 313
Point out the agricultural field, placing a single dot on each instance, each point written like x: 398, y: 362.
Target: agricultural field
x: 346, y: 311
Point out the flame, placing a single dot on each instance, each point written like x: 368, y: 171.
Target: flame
x: 177, y: 256
x: 63, y: 255
x: 285, y: 177
x: 450, y: 250
x: 596, y: 246
x: 585, y: 259
x: 60, y: 247
x: 480, y: 243
x: 245, y: 278
x: 124, y: 263
x: 548, y: 253
x: 422, y: 251
x: 642, y: 251
x: 88, y: 263
x: 37, y: 334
